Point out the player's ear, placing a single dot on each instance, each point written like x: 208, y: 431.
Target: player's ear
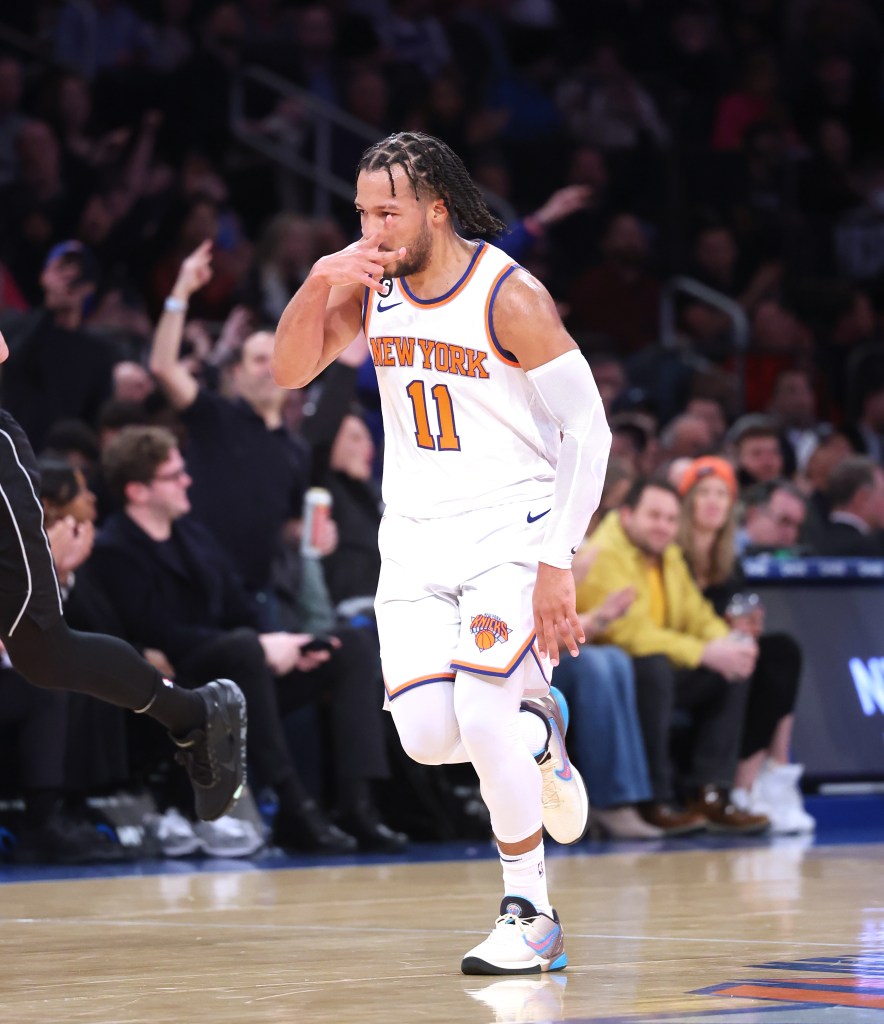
x: 438, y: 210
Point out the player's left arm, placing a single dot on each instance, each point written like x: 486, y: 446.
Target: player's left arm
x: 527, y: 324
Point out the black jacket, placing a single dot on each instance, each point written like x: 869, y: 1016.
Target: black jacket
x: 174, y: 596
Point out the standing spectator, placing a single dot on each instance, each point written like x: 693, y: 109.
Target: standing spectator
x: 619, y: 299
x: 684, y: 656
x: 12, y: 120
x: 105, y: 35
x: 56, y: 369
x: 37, y: 209
x: 765, y: 781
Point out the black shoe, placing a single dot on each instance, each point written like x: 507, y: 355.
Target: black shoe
x: 307, y: 830
x: 371, y: 833
x: 215, y: 757
x: 62, y: 840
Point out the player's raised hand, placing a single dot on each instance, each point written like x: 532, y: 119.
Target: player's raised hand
x: 555, y: 612
x: 363, y: 263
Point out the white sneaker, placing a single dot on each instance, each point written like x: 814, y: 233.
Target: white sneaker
x: 524, y: 1000
x: 173, y: 832
x: 778, y: 790
x: 523, y: 942
x: 565, y: 801
x: 228, y: 837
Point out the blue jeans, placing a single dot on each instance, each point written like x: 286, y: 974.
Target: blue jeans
x: 604, y: 735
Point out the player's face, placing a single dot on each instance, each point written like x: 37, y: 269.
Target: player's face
x: 400, y: 219
x: 4, y: 349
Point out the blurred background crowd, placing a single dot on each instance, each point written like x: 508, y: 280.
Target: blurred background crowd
x: 700, y: 185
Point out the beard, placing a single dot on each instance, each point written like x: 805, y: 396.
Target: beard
x: 417, y: 256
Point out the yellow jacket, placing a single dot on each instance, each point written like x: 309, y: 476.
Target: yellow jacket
x: 690, y: 619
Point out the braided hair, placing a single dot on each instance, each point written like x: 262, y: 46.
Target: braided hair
x: 433, y: 168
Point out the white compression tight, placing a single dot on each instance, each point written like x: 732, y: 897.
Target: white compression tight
x: 477, y: 720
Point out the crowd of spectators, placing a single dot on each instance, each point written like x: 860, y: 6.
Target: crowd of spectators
x: 146, y: 253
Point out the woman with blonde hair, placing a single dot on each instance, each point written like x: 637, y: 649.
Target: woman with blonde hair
x: 766, y: 782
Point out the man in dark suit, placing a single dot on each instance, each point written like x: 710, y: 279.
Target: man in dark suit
x: 856, y: 520
x: 188, y: 603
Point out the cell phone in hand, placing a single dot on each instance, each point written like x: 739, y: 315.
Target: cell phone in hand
x: 318, y: 643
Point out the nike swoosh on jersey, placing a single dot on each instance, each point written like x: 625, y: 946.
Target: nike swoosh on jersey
x: 533, y: 519
x: 383, y: 309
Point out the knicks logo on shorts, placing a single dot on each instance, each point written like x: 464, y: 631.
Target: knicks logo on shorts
x: 489, y: 630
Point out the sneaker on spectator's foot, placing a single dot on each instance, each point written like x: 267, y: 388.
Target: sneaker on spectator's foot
x: 173, y: 833
x: 565, y: 803
x: 65, y: 840
x: 523, y: 942
x: 228, y: 837
x: 215, y: 756
x: 777, y: 793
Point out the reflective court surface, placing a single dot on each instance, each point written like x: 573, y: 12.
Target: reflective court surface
x: 776, y: 931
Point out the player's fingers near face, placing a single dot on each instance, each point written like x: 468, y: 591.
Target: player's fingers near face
x: 391, y: 256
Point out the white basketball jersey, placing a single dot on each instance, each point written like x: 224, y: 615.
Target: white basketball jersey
x: 463, y: 427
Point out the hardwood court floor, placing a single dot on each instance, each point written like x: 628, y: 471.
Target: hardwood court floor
x: 646, y: 931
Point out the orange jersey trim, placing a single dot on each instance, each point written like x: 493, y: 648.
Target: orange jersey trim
x: 438, y: 677
x: 476, y: 259
x: 484, y: 670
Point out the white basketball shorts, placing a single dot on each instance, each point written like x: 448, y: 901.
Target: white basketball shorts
x: 455, y: 593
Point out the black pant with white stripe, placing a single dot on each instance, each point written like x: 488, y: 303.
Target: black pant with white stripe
x: 40, y: 644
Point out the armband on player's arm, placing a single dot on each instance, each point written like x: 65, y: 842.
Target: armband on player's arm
x: 567, y: 390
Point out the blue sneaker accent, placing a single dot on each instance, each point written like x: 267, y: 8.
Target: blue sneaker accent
x: 559, y: 698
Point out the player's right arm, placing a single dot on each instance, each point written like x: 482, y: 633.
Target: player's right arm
x: 325, y: 313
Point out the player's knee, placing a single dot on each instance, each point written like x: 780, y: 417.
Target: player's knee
x: 424, y: 742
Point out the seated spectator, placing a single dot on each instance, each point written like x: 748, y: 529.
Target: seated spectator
x: 618, y: 479
x: 190, y: 605
x: 343, y: 462
x: 710, y: 409
x: 604, y: 733
x: 773, y: 516
x: 793, y: 405
x: 856, y: 501
x: 50, y: 832
x: 685, y: 436
x: 684, y: 656
x: 867, y: 435
x: 757, y: 449
x: 765, y: 782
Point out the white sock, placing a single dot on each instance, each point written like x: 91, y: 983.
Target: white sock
x: 535, y: 732
x: 524, y: 874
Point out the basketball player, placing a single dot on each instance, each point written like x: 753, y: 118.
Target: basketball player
x: 496, y: 447
x: 207, y: 724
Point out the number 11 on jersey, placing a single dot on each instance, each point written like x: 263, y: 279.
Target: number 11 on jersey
x: 446, y: 440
